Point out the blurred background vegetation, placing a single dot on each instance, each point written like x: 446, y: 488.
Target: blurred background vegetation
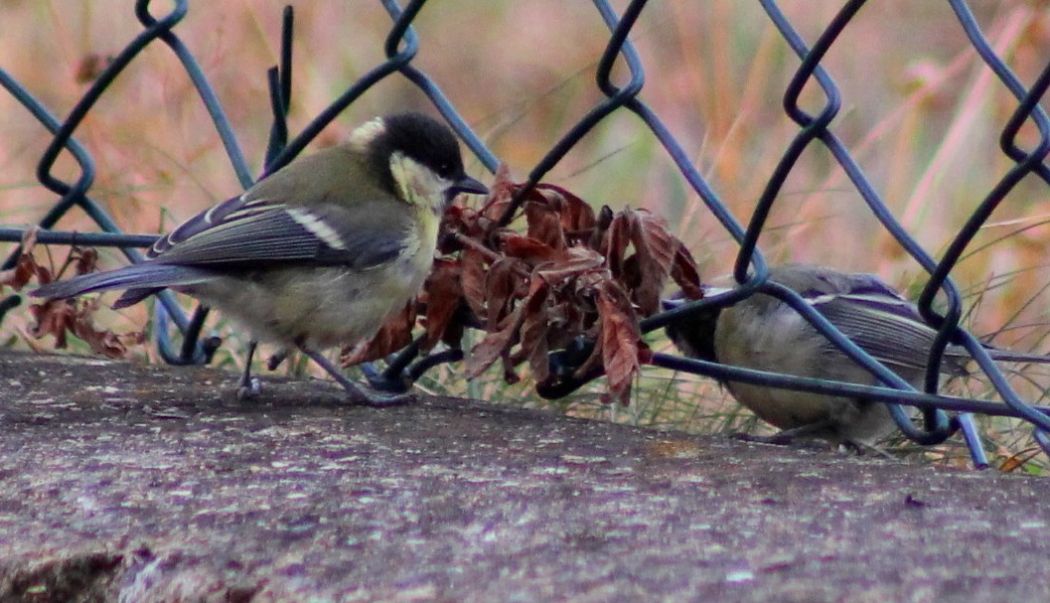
x: 921, y: 114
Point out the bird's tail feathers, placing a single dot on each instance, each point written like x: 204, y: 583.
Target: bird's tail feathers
x: 134, y: 296
x: 140, y: 278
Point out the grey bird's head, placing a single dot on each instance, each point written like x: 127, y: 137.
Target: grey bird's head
x: 417, y: 158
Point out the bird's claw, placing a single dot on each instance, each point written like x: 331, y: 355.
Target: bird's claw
x: 249, y: 389
x: 776, y: 439
x: 276, y: 359
x: 783, y: 439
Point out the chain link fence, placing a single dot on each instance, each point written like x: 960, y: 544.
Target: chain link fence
x: 751, y: 270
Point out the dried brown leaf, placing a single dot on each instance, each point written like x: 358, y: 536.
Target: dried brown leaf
x: 578, y: 261
x: 497, y: 343
x: 655, y: 249
x: 59, y: 317
x: 53, y: 317
x: 534, y: 332
x: 494, y: 345
x: 544, y: 224
x: 456, y: 219
x: 1018, y: 460
x: 572, y: 273
x: 21, y: 274
x: 615, y: 242
x: 685, y: 273
x: 84, y: 260
x: 443, y: 297
x: 26, y: 267
x: 575, y: 213
x: 500, y: 194
x: 102, y: 341
x: 472, y: 280
x: 532, y: 251
x: 564, y: 322
x: 621, y: 340
x: 502, y: 284
x: 601, y: 225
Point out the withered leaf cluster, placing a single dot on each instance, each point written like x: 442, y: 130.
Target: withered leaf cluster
x: 62, y: 316
x: 567, y: 272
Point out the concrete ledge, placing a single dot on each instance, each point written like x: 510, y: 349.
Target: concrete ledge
x: 151, y: 484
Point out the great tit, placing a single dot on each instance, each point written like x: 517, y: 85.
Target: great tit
x: 320, y: 252
x: 761, y: 332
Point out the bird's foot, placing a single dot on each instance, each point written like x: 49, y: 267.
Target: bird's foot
x: 861, y: 448
x: 777, y: 439
x: 809, y: 435
x: 276, y: 359
x: 248, y: 389
x: 784, y: 438
x: 357, y: 394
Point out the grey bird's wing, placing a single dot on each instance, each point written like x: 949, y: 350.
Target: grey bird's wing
x: 263, y: 228
x: 323, y: 209
x: 264, y: 232
x: 258, y: 234
x: 877, y: 318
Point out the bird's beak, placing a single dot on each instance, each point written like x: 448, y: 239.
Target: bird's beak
x: 466, y: 184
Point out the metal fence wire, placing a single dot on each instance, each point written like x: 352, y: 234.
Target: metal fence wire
x: 751, y: 270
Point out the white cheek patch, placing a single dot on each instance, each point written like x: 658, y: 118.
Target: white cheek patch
x: 317, y: 227
x: 415, y: 182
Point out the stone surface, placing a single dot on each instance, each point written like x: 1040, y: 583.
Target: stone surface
x: 123, y: 482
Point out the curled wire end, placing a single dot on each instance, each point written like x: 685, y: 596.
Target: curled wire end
x: 194, y: 350
x: 1043, y: 439
x: 973, y: 440
x: 381, y: 381
x: 416, y: 370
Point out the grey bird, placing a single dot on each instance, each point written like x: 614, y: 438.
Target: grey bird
x: 320, y: 252
x: 763, y: 333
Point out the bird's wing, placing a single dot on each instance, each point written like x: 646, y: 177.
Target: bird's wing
x: 879, y: 320
x: 880, y: 329
x: 241, y: 232
x: 890, y: 328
